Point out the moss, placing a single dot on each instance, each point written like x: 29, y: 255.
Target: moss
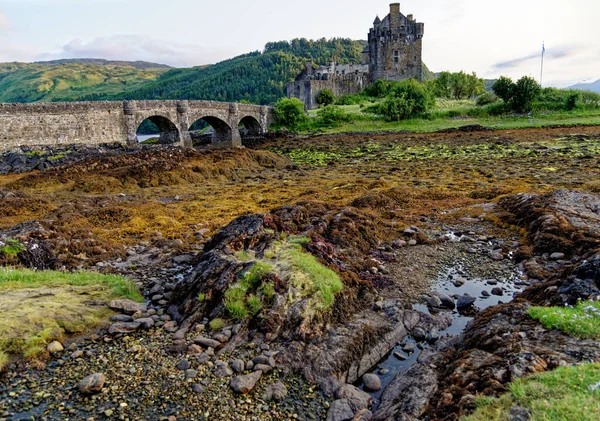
x: 201, y: 297
x: 3, y: 360
x: 10, y: 247
x: 255, y: 305
x: 217, y: 324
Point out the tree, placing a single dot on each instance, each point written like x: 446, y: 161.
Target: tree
x: 406, y: 99
x: 325, y: 97
x: 290, y: 112
x: 503, y: 88
x: 524, y: 93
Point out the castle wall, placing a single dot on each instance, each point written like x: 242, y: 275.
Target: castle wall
x: 307, y: 90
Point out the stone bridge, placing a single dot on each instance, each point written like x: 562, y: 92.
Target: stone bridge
x: 112, y: 121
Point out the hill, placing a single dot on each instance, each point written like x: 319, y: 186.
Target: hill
x: 594, y: 87
x: 257, y: 77
x: 142, y: 65
x: 69, y: 80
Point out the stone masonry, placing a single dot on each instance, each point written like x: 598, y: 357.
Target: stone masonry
x: 393, y: 52
x: 110, y: 122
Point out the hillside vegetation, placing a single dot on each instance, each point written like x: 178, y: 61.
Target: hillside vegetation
x: 68, y: 81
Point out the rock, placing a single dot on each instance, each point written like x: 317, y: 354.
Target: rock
x: 54, y: 347
x: 357, y: 399
x: 207, y: 343
x: 557, y: 256
x: 262, y: 367
x: 76, y: 354
x: 408, y: 348
x: 121, y: 318
x: 412, y: 243
x: 262, y: 359
x: 92, y: 384
x: 183, y: 365
x: 574, y: 290
x: 447, y: 302
x: 128, y: 306
x: 237, y: 366
x: 497, y: 256
x: 520, y: 414
x: 363, y: 415
x: 275, y: 392
x: 492, y: 282
x: 485, y: 293
x: 372, y: 382
x: 122, y: 327
x: 434, y: 302
x: 223, y: 370
x: 220, y: 337
x: 419, y: 334
x: 434, y: 335
x: 340, y: 410
x: 458, y: 282
x: 401, y: 356
x: 245, y: 384
x: 183, y: 259
x: 249, y: 365
x: 171, y: 326
x: 145, y: 323
x: 198, y: 388
x: 498, y: 292
x: 190, y: 373
x: 465, y: 302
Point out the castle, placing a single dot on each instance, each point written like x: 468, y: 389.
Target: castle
x: 393, y: 52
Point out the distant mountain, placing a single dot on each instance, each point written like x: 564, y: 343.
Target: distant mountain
x: 142, y: 65
x: 68, y: 80
x: 594, y: 87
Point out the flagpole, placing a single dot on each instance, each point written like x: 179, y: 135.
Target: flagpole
x: 542, y: 71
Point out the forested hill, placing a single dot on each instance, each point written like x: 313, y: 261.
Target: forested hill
x: 256, y: 77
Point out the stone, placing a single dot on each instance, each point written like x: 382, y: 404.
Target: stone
x: 458, y: 282
x: 498, y: 292
x: 198, y: 388
x: 146, y: 323
x: 557, y: 256
x: 372, y: 382
x: 497, y: 256
x: 275, y: 392
x: 92, y: 384
x: 237, y: 366
x: 412, y: 243
x: 485, y: 293
x: 128, y: 306
x: 123, y: 328
x: 357, y: 399
x: 262, y: 367
x: 121, y: 318
x: 363, y: 415
x: 520, y: 414
x: 220, y: 337
x: 447, y: 302
x: 419, y: 334
x: 408, y: 348
x: 190, y: 373
x: 223, y: 370
x: 76, y: 354
x: 207, y: 343
x: 340, y: 410
x: 465, y: 302
x: 244, y: 384
x: 183, y: 365
x: 433, y: 335
x: 54, y: 347
x: 434, y: 302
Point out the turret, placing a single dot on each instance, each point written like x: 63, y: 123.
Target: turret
x: 395, y: 17
x: 377, y: 21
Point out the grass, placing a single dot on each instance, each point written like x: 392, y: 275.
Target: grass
x: 582, y: 321
x: 565, y: 394
x: 10, y: 247
x: 240, y: 302
x: 3, y: 360
x: 39, y: 307
x: 438, y: 119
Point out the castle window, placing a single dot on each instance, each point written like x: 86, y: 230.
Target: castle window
x: 396, y: 56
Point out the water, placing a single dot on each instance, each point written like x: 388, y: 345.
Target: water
x: 144, y: 137
x: 445, y: 284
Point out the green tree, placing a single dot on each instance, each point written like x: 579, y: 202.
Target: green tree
x: 406, y: 99
x: 503, y: 88
x: 524, y: 93
x: 325, y: 97
x: 290, y: 112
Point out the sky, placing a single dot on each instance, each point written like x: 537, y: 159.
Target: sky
x: 489, y: 38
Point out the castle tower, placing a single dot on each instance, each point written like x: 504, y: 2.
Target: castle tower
x: 395, y: 47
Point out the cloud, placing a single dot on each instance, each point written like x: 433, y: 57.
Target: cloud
x: 138, y: 47
x: 551, y: 53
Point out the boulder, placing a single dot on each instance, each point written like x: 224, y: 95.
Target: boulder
x: 92, y: 384
x: 128, y: 306
x: 245, y: 384
x: 340, y: 410
x: 357, y: 399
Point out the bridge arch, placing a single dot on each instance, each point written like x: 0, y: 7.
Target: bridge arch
x: 220, y: 132
x: 166, y: 131
x: 250, y: 127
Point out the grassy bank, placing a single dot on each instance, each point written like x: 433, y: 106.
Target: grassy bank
x: 565, y: 394
x: 39, y: 307
x: 448, y: 114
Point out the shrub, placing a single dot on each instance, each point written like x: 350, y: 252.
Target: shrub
x: 486, y: 98
x: 572, y: 100
x: 289, y: 112
x: 350, y: 100
x: 396, y: 109
x: 325, y: 97
x: 332, y: 115
x: 406, y: 99
x: 379, y: 89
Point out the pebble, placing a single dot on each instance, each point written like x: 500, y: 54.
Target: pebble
x: 92, y: 384
x: 245, y: 384
x: 401, y: 356
x: 372, y: 382
x: 557, y: 256
x: 54, y: 347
